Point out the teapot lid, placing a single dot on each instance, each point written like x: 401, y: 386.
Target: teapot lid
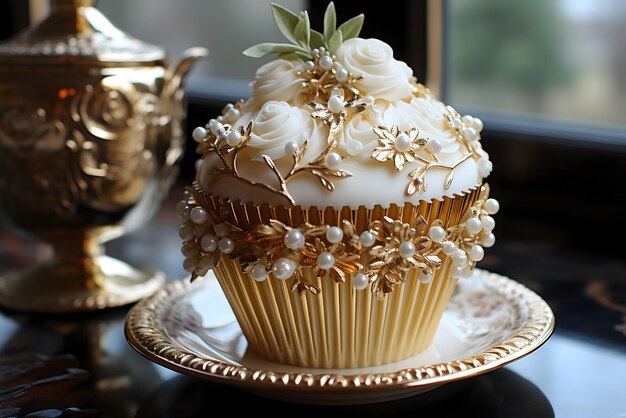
x: 77, y: 34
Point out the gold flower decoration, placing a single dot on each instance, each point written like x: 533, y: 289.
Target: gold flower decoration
x: 401, y: 147
x: 319, y: 83
x: 334, y: 119
x: 345, y: 263
x: 404, y: 247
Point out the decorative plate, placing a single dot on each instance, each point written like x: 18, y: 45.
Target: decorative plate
x: 190, y: 328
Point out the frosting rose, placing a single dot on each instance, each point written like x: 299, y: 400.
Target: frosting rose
x: 360, y: 128
x: 277, y: 80
x: 278, y: 123
x: 383, y: 76
x: 427, y: 115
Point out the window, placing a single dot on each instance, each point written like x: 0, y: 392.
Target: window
x: 562, y: 59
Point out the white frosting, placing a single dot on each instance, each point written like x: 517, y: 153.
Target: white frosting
x: 278, y: 123
x: 383, y: 76
x: 277, y: 80
x: 280, y: 116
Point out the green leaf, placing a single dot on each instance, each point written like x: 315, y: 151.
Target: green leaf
x: 317, y: 39
x: 335, y: 41
x: 286, y: 21
x: 352, y: 27
x: 296, y: 55
x: 330, y: 22
x: 302, y: 32
x: 261, y: 50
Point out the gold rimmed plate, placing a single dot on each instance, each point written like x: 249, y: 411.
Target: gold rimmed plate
x: 190, y: 328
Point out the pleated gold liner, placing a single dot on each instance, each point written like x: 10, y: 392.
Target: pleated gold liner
x: 342, y: 327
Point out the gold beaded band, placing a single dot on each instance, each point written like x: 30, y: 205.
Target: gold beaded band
x: 369, y: 247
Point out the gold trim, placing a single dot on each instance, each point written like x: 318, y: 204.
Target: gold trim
x: 145, y: 333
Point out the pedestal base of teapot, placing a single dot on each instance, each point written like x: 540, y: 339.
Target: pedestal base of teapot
x: 105, y: 282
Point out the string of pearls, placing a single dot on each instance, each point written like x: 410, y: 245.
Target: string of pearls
x: 202, y: 241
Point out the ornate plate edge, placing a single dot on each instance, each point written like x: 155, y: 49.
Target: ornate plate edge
x: 153, y: 343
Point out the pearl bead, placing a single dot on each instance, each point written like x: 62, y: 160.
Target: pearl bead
x: 198, y: 134
x: 206, y: 262
x: 456, y: 272
x: 491, y: 206
x: 457, y: 123
x: 198, y: 215
x: 488, y: 223
x: 220, y: 119
x: 188, y: 250
x: 221, y: 230
x: 470, y: 134
x: 476, y: 252
x: 337, y: 91
x: 208, y: 243
x: 334, y: 234
x: 228, y: 107
x: 360, y: 281
x: 477, y: 124
x: 189, y: 265
x: 449, y: 248
x: 342, y: 75
x: 212, y: 123
x: 315, y: 52
x: 283, y: 268
x: 233, y: 138
x: 484, y: 167
x: 291, y: 148
x: 488, y: 240
x: 258, y: 272
x: 325, y: 261
x: 309, y: 65
x: 216, y: 128
x: 369, y: 100
x: 322, y: 49
x: 468, y: 120
x: 437, y: 233
x: 226, y: 245
x: 233, y: 114
x: 425, y: 277
x: 434, y: 145
x: 354, y: 147
x: 367, y: 239
x: 406, y: 249
x: 333, y: 160
x: 402, y: 143
x: 335, y: 104
x: 294, y: 239
x: 473, y: 225
x: 459, y: 258
x: 186, y: 233
x: 182, y: 209
x: 326, y: 62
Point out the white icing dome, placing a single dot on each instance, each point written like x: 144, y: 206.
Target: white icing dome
x: 363, y: 132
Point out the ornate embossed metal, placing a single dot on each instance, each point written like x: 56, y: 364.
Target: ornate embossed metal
x: 176, y: 330
x: 90, y: 134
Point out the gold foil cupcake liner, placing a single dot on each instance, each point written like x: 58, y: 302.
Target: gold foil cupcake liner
x: 341, y: 327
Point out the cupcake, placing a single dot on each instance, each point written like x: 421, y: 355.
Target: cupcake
x: 339, y: 205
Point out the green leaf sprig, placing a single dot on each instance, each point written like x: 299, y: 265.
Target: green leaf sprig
x: 297, y: 29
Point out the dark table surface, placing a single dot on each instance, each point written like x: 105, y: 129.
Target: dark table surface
x: 81, y: 365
